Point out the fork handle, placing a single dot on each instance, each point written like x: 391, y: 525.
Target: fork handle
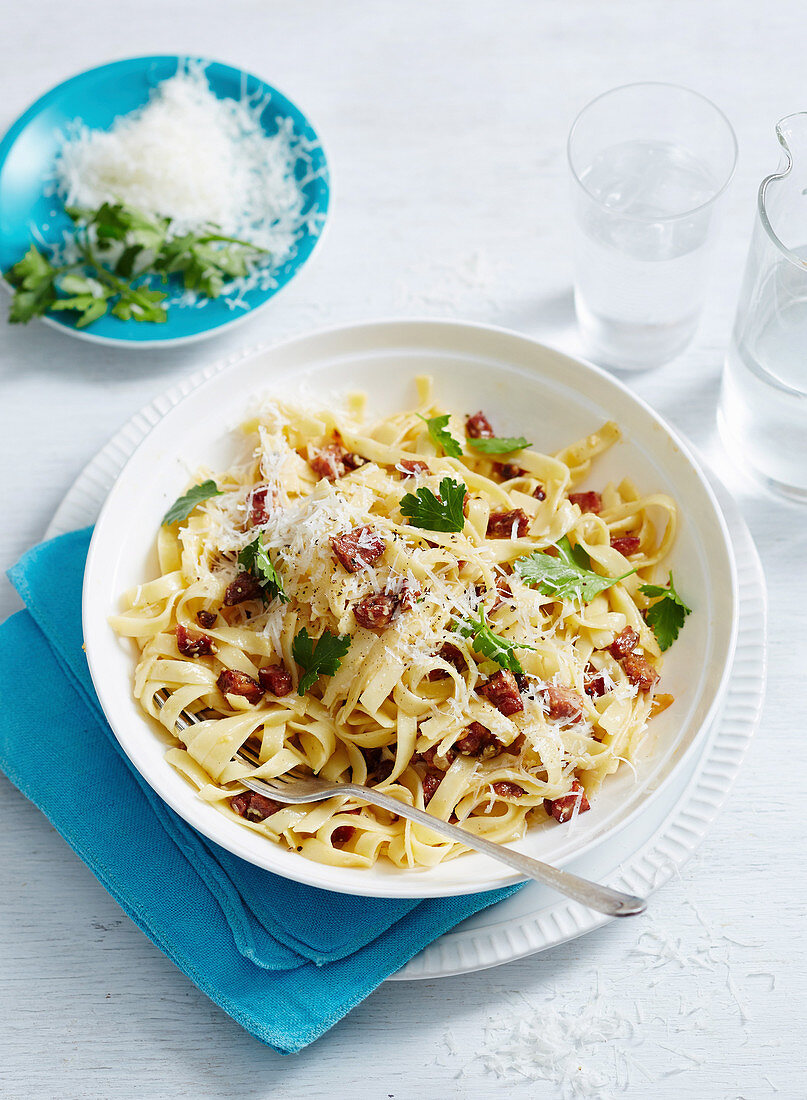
x: 602, y: 898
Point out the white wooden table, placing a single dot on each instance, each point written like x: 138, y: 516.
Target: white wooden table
x: 445, y: 123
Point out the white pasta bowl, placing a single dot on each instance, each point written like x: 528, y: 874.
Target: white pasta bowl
x: 525, y: 388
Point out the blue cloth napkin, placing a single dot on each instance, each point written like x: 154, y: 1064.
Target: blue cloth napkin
x: 285, y: 960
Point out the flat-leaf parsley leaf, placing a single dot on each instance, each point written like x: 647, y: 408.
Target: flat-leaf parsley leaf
x: 117, y: 252
x: 568, y: 576
x: 322, y: 657
x: 441, y: 437
x: 665, y: 616
x: 255, y: 558
x: 34, y: 281
x: 499, y: 445
x: 491, y: 645
x: 443, y: 513
x: 184, y: 505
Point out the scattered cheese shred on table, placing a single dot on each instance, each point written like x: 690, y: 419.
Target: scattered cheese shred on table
x: 199, y: 160
x: 556, y: 1045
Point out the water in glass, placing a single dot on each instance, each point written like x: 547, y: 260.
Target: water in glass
x: 640, y: 261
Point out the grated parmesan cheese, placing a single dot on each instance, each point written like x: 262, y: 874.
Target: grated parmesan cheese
x: 565, y: 1047
x: 199, y: 160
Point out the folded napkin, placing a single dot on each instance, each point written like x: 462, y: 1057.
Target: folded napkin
x: 286, y: 961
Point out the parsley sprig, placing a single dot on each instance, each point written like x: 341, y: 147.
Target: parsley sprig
x: 488, y: 644
x: 119, y: 251
x: 499, y: 445
x: 320, y: 658
x: 184, y: 505
x: 441, y: 437
x: 432, y: 513
x: 665, y: 616
x: 33, y: 281
x: 568, y: 576
x: 255, y: 559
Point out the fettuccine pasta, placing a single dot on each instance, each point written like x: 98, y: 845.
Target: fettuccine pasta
x: 307, y: 609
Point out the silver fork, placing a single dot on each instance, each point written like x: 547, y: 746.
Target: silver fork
x: 293, y: 788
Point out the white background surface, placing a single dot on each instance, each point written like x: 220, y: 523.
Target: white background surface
x: 445, y: 123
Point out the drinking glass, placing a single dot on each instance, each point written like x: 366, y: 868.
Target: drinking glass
x: 649, y: 163
x: 763, y: 402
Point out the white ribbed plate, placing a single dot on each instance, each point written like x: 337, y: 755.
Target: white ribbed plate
x: 645, y: 853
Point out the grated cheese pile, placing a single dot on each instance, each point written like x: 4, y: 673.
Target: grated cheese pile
x: 199, y: 160
x: 586, y: 1052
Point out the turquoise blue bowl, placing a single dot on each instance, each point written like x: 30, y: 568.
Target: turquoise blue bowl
x: 97, y: 97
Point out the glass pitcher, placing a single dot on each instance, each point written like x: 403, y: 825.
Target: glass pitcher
x: 763, y: 403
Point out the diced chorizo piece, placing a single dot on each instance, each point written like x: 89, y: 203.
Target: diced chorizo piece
x: 479, y: 427
x: 244, y: 587
x: 594, y: 682
x: 587, y: 502
x: 431, y: 781
x: 564, y: 807
x: 233, y: 682
x: 358, y: 547
x: 660, y: 703
x: 257, y: 511
x: 452, y: 656
x: 376, y: 612
x: 261, y: 807
x: 342, y: 834
x: 639, y: 671
x: 502, y: 690
x: 508, y: 470
x: 205, y: 618
x: 408, y: 596
x: 515, y: 746
x: 329, y: 462
x: 414, y: 467
x: 350, y: 460
x: 378, y: 769
x: 372, y: 758
x: 563, y: 702
x: 240, y: 803
x: 191, y: 644
x: 624, y: 643
x: 477, y: 740
x: 626, y: 544
x: 275, y: 679
x: 443, y: 761
x: 254, y: 806
x: 508, y: 525
x: 505, y: 789
x: 384, y: 770
x: 539, y: 492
